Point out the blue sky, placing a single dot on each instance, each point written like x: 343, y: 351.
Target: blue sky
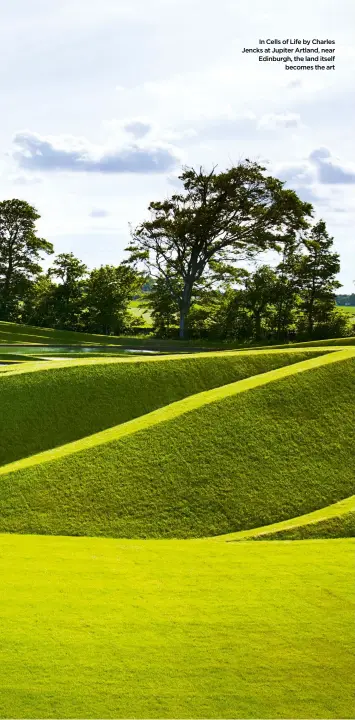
x: 102, y: 102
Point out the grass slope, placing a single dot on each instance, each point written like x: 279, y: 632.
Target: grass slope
x: 337, y: 520
x: 96, y: 628
x: 12, y: 333
x: 217, y: 462
x: 49, y: 404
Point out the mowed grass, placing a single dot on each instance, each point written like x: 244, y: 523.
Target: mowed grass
x: 27, y: 334
x: 252, y: 453
x: 333, y: 521
x: 49, y: 404
x: 96, y: 628
x: 139, y: 309
x: 347, y: 308
x: 12, y: 333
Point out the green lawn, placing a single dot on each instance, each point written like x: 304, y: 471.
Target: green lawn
x: 138, y: 309
x: 47, y: 404
x: 96, y: 628
x: 347, y: 308
x: 25, y: 334
x: 251, y: 453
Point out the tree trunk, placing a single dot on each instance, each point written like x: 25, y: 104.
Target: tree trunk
x: 257, y: 317
x: 184, y: 308
x: 182, y: 325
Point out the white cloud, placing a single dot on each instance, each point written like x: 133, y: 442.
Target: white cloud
x: 72, y: 154
x: 275, y: 121
x: 185, y: 94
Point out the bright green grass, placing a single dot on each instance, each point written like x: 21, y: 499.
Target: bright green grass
x: 337, y: 520
x: 341, y: 526
x: 347, y: 308
x: 176, y: 629
x: 320, y: 343
x: 137, y: 309
x: 51, y: 403
x: 259, y: 451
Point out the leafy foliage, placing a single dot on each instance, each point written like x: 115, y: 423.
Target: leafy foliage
x: 20, y: 252
x: 221, y: 218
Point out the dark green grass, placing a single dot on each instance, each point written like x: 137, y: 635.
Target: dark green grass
x: 259, y: 457
x: 16, y: 357
x: 14, y: 333
x: 176, y: 629
x: 19, y: 334
x: 55, y: 405
x: 333, y: 521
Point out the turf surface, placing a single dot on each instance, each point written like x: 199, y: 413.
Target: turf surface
x: 337, y: 520
x: 12, y: 333
x: 176, y: 629
x: 44, y: 405
x: 259, y: 451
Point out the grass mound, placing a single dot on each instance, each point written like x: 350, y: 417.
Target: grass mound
x: 217, y: 462
x: 334, y: 521
x: 340, y: 526
x: 53, y: 403
x: 27, y: 334
x: 95, y: 628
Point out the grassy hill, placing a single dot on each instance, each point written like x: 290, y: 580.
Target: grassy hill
x: 47, y: 404
x: 334, y: 521
x: 25, y: 334
x: 254, y: 452
x: 12, y: 333
x: 217, y: 446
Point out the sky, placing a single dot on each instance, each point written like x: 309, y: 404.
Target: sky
x: 103, y: 102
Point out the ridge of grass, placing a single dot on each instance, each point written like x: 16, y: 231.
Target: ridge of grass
x: 30, y: 335
x: 216, y: 462
x: 50, y: 403
x: 80, y: 360
x: 338, y: 517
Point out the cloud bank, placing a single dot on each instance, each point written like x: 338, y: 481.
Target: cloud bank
x: 66, y: 153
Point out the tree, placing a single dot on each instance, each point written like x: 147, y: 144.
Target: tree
x: 20, y: 251
x: 109, y: 290
x: 39, y: 303
x: 163, y: 306
x: 287, y: 289
x: 317, y: 270
x: 260, y: 293
x: 219, y: 220
x: 68, y: 296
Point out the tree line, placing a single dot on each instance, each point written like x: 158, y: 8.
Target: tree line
x: 193, y: 259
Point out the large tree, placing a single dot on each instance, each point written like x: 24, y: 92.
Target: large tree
x: 218, y: 220
x: 318, y: 269
x: 20, y: 253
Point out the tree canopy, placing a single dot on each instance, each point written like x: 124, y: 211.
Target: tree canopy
x: 20, y: 252
x: 219, y: 220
